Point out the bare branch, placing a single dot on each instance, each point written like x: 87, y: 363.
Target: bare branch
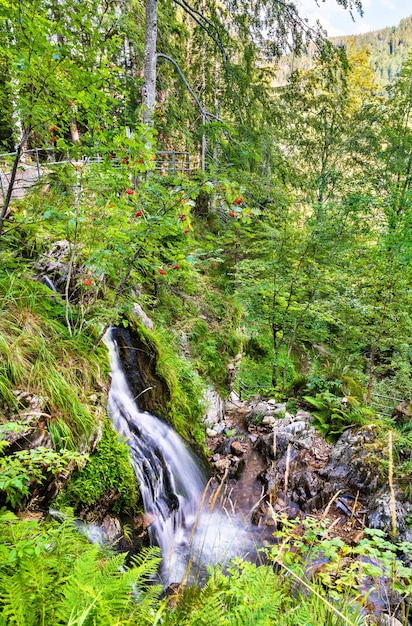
x: 204, y: 111
x: 4, y: 211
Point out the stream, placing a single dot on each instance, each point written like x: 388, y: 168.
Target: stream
x: 184, y: 518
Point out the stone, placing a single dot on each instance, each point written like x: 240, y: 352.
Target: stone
x: 216, y: 406
x: 111, y: 528
x: 34, y: 432
x: 54, y: 265
x: 148, y: 520
x: 238, y: 467
x: 388, y: 620
x: 138, y: 312
x: 380, y: 513
x: 211, y: 433
x: 219, y: 427
x: 280, y: 409
x: 266, y: 445
x: 295, y: 428
x: 222, y: 465
x: 403, y: 413
x: 304, y: 415
x: 355, y: 461
x: 262, y: 408
x: 236, y: 448
x: 268, y: 420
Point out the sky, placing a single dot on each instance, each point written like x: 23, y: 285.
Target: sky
x: 337, y: 21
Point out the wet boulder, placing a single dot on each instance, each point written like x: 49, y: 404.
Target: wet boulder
x: 383, y: 512
x: 355, y: 461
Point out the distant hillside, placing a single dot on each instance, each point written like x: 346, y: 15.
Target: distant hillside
x: 388, y: 49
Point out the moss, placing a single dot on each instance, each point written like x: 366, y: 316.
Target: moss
x: 184, y: 409
x: 108, y: 476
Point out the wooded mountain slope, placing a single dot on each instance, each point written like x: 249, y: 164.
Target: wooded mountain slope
x: 388, y: 49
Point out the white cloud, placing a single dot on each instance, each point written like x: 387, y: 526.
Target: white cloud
x: 337, y: 21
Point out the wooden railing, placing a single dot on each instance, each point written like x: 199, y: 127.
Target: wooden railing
x: 38, y: 161
x: 385, y: 408
x: 244, y: 390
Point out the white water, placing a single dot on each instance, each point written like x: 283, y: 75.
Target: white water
x: 172, y: 485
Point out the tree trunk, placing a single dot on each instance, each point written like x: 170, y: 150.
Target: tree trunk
x: 276, y: 328
x: 20, y: 147
x: 149, y: 68
x: 74, y: 130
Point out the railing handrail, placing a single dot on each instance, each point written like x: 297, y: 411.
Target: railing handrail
x: 179, y: 162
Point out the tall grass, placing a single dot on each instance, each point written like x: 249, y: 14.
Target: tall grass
x: 39, y: 357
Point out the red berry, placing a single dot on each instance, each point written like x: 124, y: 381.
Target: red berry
x: 182, y: 217
x: 72, y: 103
x: 232, y: 214
x: 139, y: 213
x: 186, y: 230
x: 176, y: 267
x: 87, y: 282
x: 238, y: 200
x: 163, y: 272
x: 130, y: 192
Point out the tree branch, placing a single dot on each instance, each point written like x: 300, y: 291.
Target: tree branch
x: 194, y: 13
x: 204, y: 111
x: 19, y: 150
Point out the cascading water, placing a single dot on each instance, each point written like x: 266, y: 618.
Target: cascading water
x: 172, y: 486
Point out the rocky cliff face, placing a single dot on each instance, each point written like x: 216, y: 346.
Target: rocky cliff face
x: 300, y: 473
x: 139, y: 359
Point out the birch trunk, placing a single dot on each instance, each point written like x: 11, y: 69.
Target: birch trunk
x: 149, y: 68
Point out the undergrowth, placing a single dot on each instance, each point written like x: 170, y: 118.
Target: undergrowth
x: 50, y: 574
x: 39, y: 356
x: 185, y: 406
x: 108, y: 473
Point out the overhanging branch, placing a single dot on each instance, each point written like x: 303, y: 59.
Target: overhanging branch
x: 204, y: 111
x: 204, y: 23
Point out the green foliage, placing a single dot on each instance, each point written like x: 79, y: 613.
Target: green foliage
x: 108, y: 473
x: 38, y: 354
x: 49, y: 573
x: 186, y: 388
x: 334, y: 414
x: 297, y: 239
x: 25, y: 469
x: 255, y: 376
x: 251, y: 595
x: 388, y: 49
x: 212, y: 347
x: 344, y: 569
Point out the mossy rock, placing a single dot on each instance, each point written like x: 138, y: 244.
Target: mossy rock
x: 107, y: 483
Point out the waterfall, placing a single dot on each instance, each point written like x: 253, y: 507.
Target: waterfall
x: 172, y: 487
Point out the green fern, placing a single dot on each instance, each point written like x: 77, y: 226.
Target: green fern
x: 50, y: 574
